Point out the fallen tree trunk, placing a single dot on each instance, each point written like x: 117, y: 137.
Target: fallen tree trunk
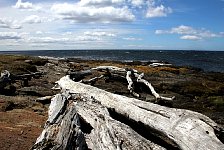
x: 62, y: 129
x: 79, y: 75
x: 6, y: 78
x: 117, y: 122
x: 108, y: 133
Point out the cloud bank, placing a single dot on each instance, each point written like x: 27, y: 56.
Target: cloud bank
x: 190, y: 33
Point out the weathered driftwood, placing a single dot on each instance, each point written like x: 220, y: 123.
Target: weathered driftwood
x: 4, y: 79
x: 106, y: 132
x: 77, y: 121
x: 158, y: 64
x: 130, y: 84
x: 181, y: 129
x: 79, y: 75
x: 62, y: 129
x: 26, y: 77
x: 149, y: 85
x: 84, y: 117
x: 44, y: 100
x: 7, y: 78
x: 131, y: 74
x: 93, y: 80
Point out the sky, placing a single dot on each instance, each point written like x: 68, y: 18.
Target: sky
x: 112, y: 24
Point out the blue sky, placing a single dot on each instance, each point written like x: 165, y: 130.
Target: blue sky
x: 112, y: 24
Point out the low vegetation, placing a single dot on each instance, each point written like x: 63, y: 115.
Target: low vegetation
x: 17, y: 64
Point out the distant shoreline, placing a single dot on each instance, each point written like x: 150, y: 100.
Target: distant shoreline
x: 208, y: 50
x: 209, y: 61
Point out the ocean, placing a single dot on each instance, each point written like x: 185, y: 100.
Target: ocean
x: 206, y: 60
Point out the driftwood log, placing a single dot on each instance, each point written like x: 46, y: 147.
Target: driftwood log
x: 7, y: 78
x: 130, y: 75
x: 85, y: 117
x: 4, y: 79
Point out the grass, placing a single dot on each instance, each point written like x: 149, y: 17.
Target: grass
x: 217, y: 100
x: 16, y: 64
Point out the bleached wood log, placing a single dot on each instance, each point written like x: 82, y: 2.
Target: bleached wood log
x: 5, y: 74
x: 79, y: 75
x: 4, y: 79
x: 108, y: 133
x: 157, y: 64
x: 62, y: 130
x: 93, y: 80
x: 110, y: 68
x: 180, y: 128
x: 28, y: 75
x: 100, y: 131
x: 44, y: 99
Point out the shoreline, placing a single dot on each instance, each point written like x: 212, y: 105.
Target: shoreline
x: 209, y: 61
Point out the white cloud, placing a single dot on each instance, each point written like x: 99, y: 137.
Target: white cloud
x: 158, y: 11
x: 32, y: 19
x: 190, y: 33
x: 78, y: 13
x: 161, y: 32
x: 190, y: 37
x: 87, y: 38
x: 100, y: 33
x: 137, y: 3
x: 23, y: 5
x: 183, y: 30
x: 131, y: 39
x: 24, y: 33
x: 100, y: 3
x: 47, y: 40
x: 6, y: 23
x: 26, y: 6
x: 67, y: 33
x: 62, y: 40
x: 178, y: 30
x: 208, y: 34
x: 9, y: 36
x: 39, y: 32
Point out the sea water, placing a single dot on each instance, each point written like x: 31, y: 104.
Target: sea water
x: 206, y: 60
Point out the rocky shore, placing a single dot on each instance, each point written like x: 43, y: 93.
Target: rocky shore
x: 23, y: 114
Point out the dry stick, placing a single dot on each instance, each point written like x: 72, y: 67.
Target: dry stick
x: 93, y: 80
x: 115, y: 70
x: 149, y: 85
x: 130, y: 84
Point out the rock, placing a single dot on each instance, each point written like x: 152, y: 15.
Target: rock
x: 6, y: 105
